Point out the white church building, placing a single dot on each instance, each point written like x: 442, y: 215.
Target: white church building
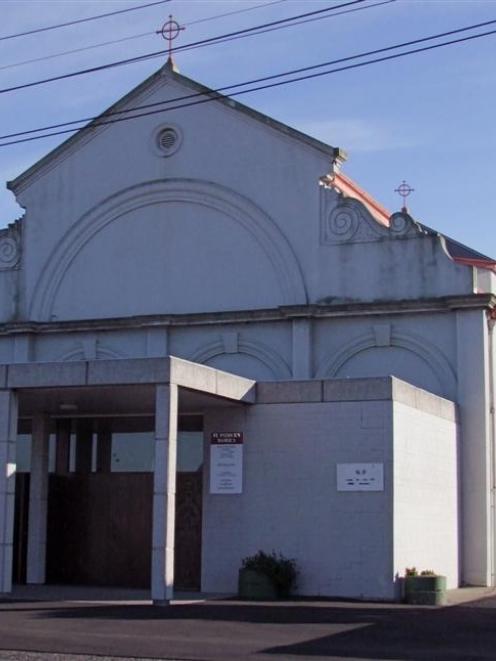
x: 213, y: 342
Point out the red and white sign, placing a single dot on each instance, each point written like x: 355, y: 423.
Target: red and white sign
x: 226, y: 462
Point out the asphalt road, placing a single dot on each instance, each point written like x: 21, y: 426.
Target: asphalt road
x: 219, y: 630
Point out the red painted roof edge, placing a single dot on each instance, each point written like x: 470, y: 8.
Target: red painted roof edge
x: 352, y: 189
x: 348, y: 187
x: 479, y: 263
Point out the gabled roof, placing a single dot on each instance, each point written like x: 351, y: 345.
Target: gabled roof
x: 167, y: 72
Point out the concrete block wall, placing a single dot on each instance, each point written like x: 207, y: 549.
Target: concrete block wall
x: 426, y: 511
x: 295, y: 435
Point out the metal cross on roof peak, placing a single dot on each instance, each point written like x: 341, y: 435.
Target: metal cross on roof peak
x: 170, y: 30
x: 404, y: 190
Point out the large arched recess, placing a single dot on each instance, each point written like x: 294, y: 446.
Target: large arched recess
x: 168, y: 246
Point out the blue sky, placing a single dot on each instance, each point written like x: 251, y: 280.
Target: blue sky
x: 427, y: 118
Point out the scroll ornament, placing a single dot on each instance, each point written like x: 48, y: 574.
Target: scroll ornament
x: 9, y: 252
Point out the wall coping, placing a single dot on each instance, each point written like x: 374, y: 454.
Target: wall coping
x: 186, y: 374
x: 388, y: 388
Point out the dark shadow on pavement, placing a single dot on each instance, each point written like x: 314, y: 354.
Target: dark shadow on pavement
x: 321, y: 629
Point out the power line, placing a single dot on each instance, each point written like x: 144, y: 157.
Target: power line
x: 253, y: 81
x: 141, y: 58
x: 235, y: 11
x: 212, y: 95
x: 44, y: 58
x: 294, y: 24
x: 82, y: 20
x: 187, y: 47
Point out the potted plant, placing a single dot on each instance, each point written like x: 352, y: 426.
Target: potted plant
x: 425, y: 588
x: 265, y: 576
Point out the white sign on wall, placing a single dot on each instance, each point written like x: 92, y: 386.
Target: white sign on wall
x: 226, y: 462
x: 360, y: 477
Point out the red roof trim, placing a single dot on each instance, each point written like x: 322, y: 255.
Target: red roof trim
x: 348, y: 187
x: 479, y: 263
x: 352, y: 189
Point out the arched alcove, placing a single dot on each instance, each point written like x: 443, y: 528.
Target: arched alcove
x: 174, y: 246
x: 405, y: 356
x: 254, y: 360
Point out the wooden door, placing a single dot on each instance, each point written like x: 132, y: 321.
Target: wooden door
x: 99, y: 529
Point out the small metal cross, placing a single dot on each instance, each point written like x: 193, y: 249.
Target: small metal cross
x: 170, y: 30
x: 404, y: 190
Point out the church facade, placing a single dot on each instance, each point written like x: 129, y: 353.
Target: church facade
x: 201, y: 297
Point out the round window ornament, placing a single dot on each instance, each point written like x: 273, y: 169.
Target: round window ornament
x: 167, y: 140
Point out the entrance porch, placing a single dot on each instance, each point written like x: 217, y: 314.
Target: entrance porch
x: 90, y: 400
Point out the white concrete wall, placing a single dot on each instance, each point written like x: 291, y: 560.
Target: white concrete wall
x: 421, y: 349
x: 235, y: 219
x: 426, y: 500
x: 353, y: 544
x: 418, y: 348
x: 342, y: 541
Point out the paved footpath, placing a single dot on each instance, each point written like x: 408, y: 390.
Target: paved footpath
x: 49, y: 656
x: 241, y: 631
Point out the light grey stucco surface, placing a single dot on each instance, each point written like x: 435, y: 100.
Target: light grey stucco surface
x: 343, y: 542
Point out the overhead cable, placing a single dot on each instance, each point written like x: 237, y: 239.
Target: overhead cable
x: 81, y: 20
x: 147, y: 56
x: 212, y: 95
x: 235, y: 11
x: 225, y: 88
x: 101, y: 44
x: 220, y: 41
x: 294, y: 24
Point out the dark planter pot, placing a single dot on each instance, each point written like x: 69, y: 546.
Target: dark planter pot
x: 425, y: 590
x: 256, y: 586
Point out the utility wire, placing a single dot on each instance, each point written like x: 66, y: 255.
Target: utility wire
x: 141, y: 58
x: 235, y: 11
x: 220, y: 41
x: 291, y: 25
x: 212, y: 95
x: 81, y: 20
x: 13, y: 65
x: 254, y: 81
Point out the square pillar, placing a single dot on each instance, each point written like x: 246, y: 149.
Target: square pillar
x: 473, y: 398
x: 164, y: 493
x: 8, y: 434
x: 38, y: 498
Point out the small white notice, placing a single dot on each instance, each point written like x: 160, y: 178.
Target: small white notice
x: 226, y: 462
x: 360, y: 477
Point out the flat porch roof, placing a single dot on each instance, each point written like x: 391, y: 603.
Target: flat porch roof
x: 84, y: 388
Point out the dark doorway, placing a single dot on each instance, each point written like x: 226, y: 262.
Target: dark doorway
x: 100, y: 523
x: 20, y: 528
x: 99, y: 529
